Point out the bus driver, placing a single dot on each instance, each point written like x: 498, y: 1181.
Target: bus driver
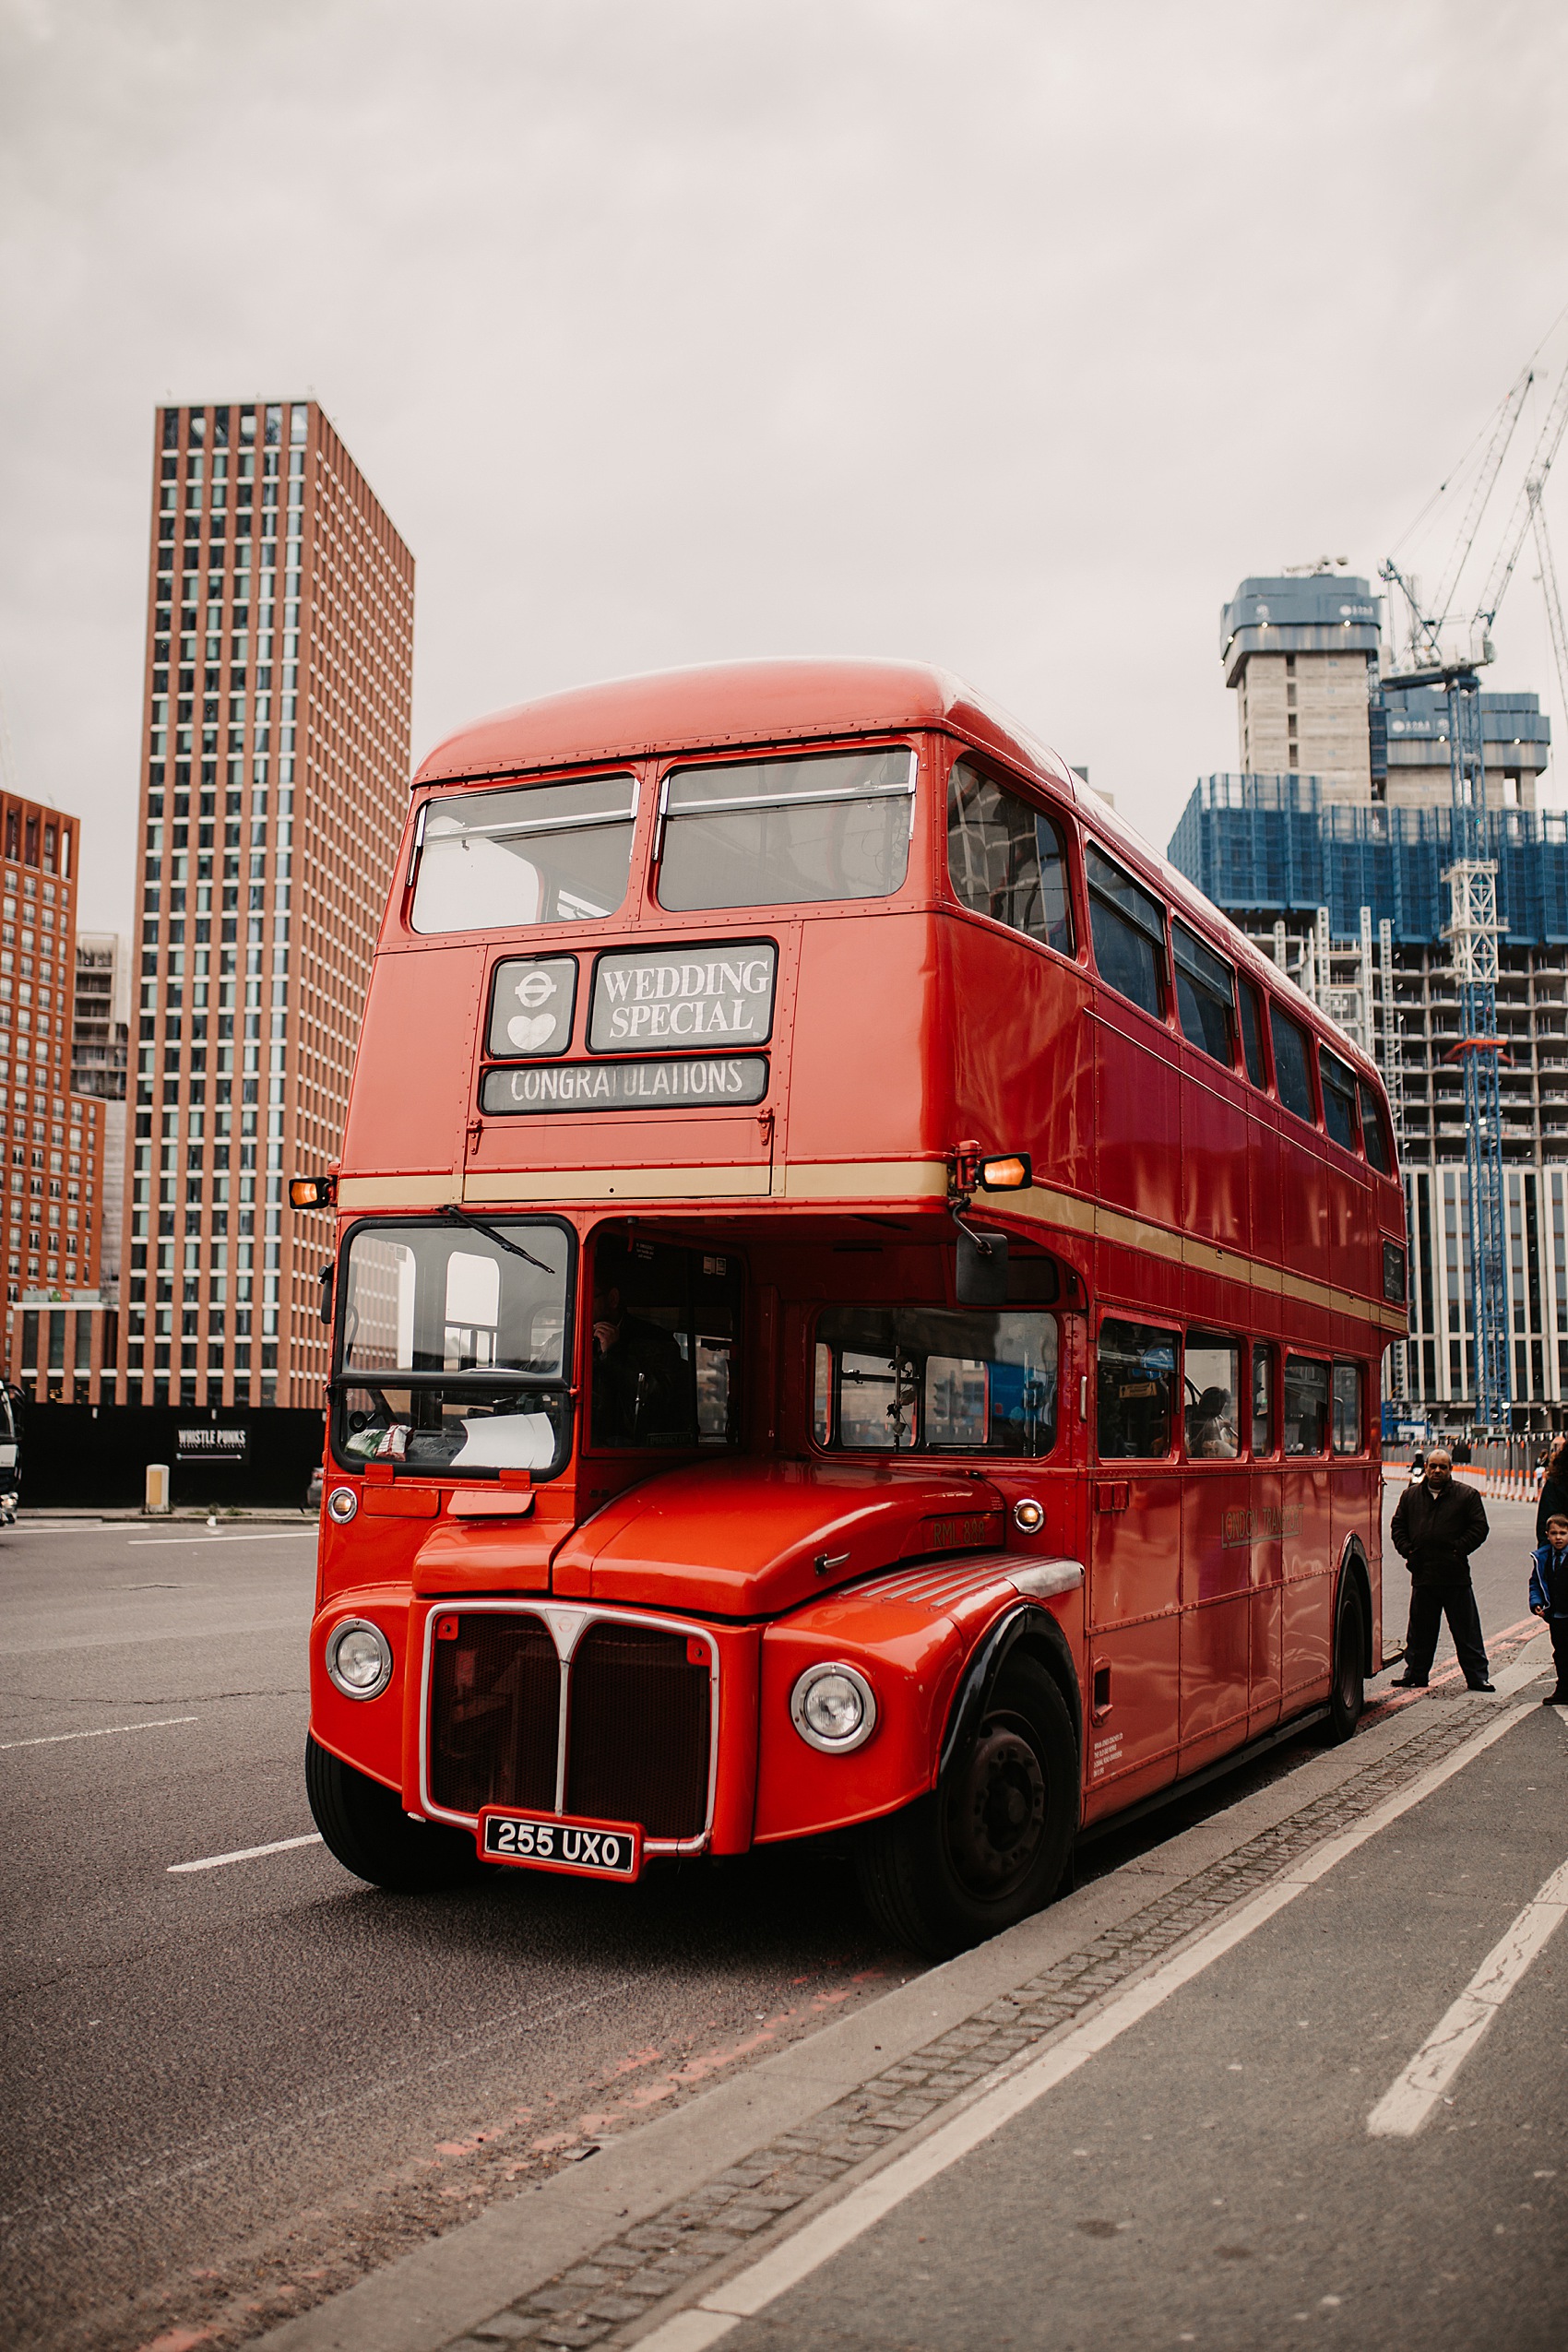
x: 639, y: 1374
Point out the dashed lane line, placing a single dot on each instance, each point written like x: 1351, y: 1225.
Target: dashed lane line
x: 246, y: 1854
x: 109, y: 1731
x: 1406, y: 2105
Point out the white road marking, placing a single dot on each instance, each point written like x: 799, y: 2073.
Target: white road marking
x: 773, y: 2274
x: 285, y: 1535
x: 245, y: 1854
x: 109, y: 1731
x: 1407, y: 2102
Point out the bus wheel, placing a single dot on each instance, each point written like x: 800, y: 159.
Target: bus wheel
x: 1347, y: 1688
x: 992, y: 1842
x: 365, y: 1826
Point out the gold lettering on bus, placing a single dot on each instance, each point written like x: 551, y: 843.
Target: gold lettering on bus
x: 1270, y: 1523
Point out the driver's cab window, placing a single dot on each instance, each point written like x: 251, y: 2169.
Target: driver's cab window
x: 666, y: 1324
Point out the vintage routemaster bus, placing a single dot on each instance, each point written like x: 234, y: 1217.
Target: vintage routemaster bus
x: 858, y: 1306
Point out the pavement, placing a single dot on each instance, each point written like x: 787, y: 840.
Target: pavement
x: 1141, y: 2117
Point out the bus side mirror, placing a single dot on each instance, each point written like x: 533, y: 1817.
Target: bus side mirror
x: 981, y: 1277
x: 326, y: 1272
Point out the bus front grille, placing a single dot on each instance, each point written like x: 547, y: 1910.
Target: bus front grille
x: 494, y: 1712
x: 637, y: 1735
x: 639, y: 1727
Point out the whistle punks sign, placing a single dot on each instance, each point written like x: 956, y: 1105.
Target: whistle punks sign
x: 685, y: 997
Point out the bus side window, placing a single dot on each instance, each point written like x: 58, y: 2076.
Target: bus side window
x: 1128, y: 927
x: 822, y: 1400
x: 1205, y: 996
x: 1251, y: 1034
x: 1306, y: 1406
x: 1339, y: 1098
x: 1291, y: 1070
x: 1346, y: 1408
x: 1371, y: 1133
x: 1007, y: 860
x: 1263, y: 1400
x: 1136, y: 1390
x: 1212, y: 1375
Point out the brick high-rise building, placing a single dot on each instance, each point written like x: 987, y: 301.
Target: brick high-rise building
x: 274, y: 782
x: 50, y: 1138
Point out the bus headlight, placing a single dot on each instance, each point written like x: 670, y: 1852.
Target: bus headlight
x: 358, y: 1658
x: 833, y: 1708
x: 341, y: 1504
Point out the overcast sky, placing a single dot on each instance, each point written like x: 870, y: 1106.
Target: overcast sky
x: 995, y: 332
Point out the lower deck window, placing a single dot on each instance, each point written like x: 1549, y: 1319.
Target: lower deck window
x: 1137, y: 1387
x: 908, y: 1380
x: 1306, y: 1406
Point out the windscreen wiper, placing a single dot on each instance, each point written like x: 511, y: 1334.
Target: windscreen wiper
x: 475, y: 1225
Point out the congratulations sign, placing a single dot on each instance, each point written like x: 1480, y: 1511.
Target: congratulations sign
x: 626, y: 1086
x: 719, y: 994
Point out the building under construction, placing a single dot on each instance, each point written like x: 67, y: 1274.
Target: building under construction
x: 1331, y: 849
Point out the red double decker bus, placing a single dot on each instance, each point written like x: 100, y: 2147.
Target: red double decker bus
x: 858, y: 1302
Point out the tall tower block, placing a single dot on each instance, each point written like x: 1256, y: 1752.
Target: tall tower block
x: 274, y: 779
x: 1301, y: 651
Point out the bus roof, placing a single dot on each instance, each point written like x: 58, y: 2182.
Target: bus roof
x: 730, y: 702
x: 664, y: 711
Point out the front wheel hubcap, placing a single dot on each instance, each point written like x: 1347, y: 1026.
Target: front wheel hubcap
x: 996, y: 1811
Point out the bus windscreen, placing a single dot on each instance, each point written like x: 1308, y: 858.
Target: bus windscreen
x: 553, y: 853
x: 784, y: 832
x: 453, y: 1356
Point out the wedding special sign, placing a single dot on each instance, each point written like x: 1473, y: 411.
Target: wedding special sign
x: 715, y: 994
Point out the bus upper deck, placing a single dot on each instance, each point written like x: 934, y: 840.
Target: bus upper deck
x: 791, y: 932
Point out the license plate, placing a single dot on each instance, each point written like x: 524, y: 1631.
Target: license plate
x: 545, y: 1842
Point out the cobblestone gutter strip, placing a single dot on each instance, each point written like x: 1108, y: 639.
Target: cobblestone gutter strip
x: 619, y: 2290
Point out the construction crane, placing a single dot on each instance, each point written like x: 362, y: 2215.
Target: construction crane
x: 1473, y: 929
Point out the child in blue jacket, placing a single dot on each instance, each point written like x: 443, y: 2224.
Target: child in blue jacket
x: 1549, y: 1599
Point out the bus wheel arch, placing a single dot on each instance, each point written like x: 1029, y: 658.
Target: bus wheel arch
x: 990, y: 1841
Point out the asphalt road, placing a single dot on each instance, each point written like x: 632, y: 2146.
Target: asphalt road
x: 248, y: 2082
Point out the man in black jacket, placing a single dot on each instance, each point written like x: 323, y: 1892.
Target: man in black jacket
x: 1436, y: 1527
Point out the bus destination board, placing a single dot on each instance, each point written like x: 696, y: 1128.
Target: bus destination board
x: 718, y: 1082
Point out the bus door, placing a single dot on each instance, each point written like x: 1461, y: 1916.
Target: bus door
x: 1134, y: 1558
x: 1265, y: 1562
x: 1215, y: 1526
x: 1306, y: 1533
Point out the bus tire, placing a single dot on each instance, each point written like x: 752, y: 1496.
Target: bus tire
x: 1346, y: 1688
x: 992, y: 1842
x: 365, y: 1826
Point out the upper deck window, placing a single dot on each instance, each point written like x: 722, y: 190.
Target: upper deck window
x: 1252, y: 1033
x: 1339, y: 1098
x: 550, y: 853
x: 1291, y: 1073
x: 1129, y: 933
x: 1205, y: 996
x: 1372, y: 1132
x: 1007, y: 860
x: 781, y: 832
